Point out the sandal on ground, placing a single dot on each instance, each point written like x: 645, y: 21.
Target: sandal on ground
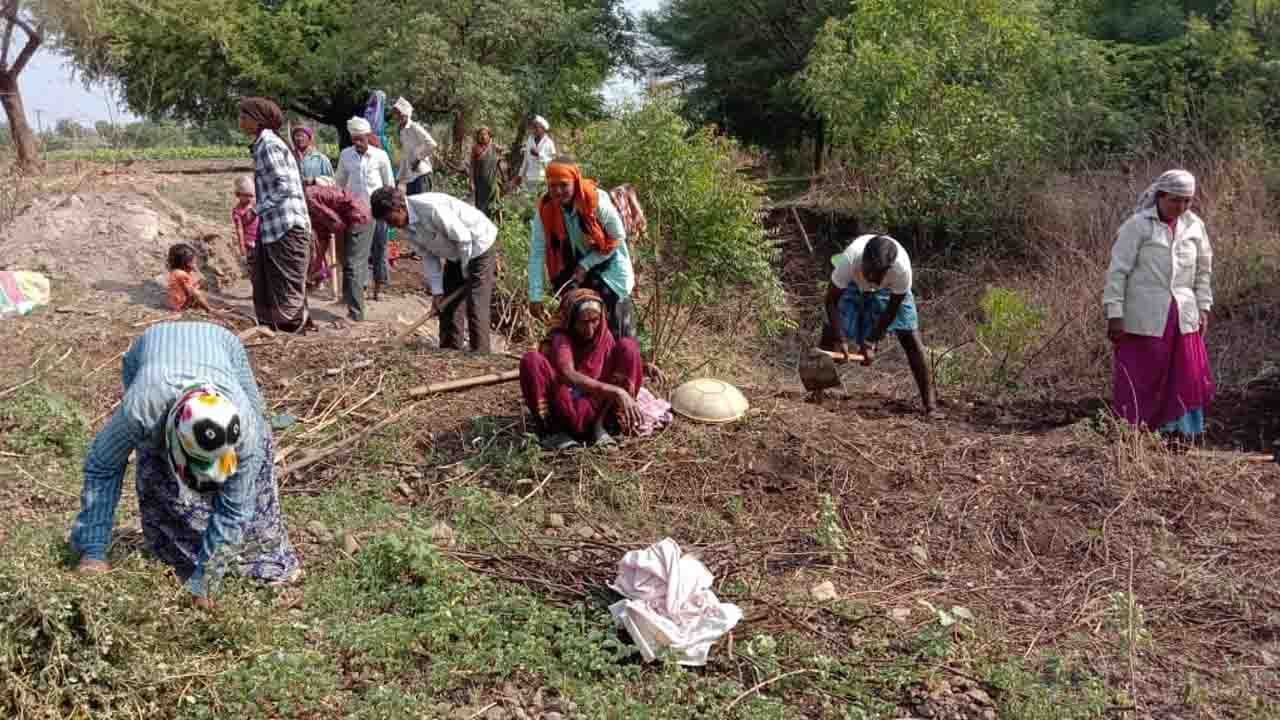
x: 559, y: 441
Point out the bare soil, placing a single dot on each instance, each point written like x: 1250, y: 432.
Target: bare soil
x: 1032, y: 513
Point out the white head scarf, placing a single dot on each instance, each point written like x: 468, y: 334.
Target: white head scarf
x: 1178, y: 183
x: 541, y: 122
x: 403, y: 107
x: 358, y: 126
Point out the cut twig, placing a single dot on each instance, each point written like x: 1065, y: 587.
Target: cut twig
x: 533, y: 492
x: 50, y: 488
x: 166, y: 318
x: 106, y: 363
x: 761, y: 685
x: 348, y: 368
x: 342, y: 445
x: 803, y: 233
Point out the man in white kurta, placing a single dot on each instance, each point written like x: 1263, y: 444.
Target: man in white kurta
x: 539, y: 151
x: 362, y: 170
x: 416, y: 146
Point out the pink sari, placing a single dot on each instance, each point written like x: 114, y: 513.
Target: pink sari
x: 1158, y: 380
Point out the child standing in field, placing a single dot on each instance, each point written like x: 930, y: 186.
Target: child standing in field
x: 245, y: 219
x: 184, y: 288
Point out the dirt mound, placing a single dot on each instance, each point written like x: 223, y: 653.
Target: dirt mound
x: 114, y: 240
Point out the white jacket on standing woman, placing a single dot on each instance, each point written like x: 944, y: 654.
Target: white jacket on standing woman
x: 1149, y: 266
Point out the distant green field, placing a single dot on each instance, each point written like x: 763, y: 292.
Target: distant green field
x: 208, y: 152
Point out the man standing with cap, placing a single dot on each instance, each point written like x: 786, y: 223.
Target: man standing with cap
x: 416, y: 146
x: 363, y: 169
x: 539, y: 151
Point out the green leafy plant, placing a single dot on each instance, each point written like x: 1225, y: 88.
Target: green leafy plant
x: 831, y: 535
x: 1011, y: 324
x: 703, y: 243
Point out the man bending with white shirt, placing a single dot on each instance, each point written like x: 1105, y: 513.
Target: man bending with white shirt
x: 457, y: 244
x: 362, y: 170
x: 870, y: 295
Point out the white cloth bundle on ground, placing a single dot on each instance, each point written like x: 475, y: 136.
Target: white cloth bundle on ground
x: 669, y: 603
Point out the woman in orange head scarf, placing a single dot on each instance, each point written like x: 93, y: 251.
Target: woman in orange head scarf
x: 566, y: 187
x: 594, y: 254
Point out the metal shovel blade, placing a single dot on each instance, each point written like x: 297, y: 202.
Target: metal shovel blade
x: 818, y: 371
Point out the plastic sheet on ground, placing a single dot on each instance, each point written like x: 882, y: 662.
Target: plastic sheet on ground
x: 669, y: 604
x: 21, y: 292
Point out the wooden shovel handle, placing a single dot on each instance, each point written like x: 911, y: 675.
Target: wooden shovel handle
x: 404, y: 334
x: 839, y: 357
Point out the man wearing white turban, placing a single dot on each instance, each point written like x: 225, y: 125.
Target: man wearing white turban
x: 416, y: 146
x: 539, y: 151
x: 362, y: 169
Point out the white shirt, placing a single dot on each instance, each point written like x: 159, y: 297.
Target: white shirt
x: 849, y: 269
x: 446, y: 228
x: 534, y: 168
x: 362, y: 173
x: 416, y: 146
x: 1148, y: 267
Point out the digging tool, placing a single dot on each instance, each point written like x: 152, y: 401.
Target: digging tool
x: 448, y: 299
x: 818, y: 369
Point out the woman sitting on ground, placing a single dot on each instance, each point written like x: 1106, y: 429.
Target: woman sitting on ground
x: 1157, y: 298
x: 582, y: 384
x: 206, y: 488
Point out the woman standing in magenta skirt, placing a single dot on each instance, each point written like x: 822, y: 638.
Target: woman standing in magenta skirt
x: 1158, y: 297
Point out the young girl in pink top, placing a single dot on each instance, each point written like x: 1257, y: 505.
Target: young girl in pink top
x: 245, y: 218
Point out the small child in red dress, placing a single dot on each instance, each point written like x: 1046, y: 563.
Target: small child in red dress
x: 244, y: 218
x: 184, y: 288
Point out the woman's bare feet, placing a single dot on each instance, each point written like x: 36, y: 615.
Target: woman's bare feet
x: 89, y: 566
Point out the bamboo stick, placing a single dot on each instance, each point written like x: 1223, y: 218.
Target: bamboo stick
x: 464, y: 383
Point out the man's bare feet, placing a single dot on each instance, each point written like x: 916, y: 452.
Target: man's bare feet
x: 89, y: 566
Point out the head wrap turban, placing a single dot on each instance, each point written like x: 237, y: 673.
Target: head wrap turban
x: 586, y: 201
x: 541, y: 122
x: 358, y: 126
x: 1178, y: 183
x: 202, y: 432
x: 402, y: 106
x: 262, y: 111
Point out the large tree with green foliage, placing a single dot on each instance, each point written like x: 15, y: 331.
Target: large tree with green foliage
x: 741, y: 64
x: 192, y: 59
x: 942, y: 102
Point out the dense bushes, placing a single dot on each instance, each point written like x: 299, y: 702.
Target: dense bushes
x: 703, y: 243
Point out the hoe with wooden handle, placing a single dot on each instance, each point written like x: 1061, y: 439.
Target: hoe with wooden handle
x: 406, y: 333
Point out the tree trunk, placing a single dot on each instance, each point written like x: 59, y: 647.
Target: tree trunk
x: 24, y: 141
x: 515, y: 153
x: 461, y: 122
x: 819, y: 144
